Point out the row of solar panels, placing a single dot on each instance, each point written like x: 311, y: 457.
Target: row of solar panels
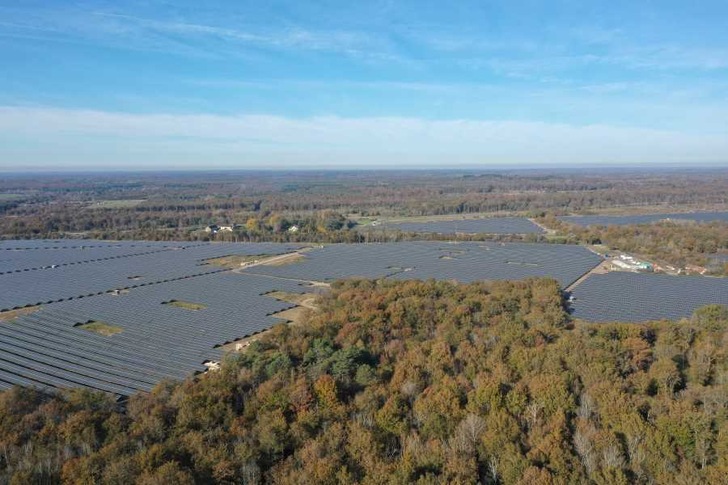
x: 645, y: 218
x: 51, y: 244
x: 491, y: 225
x: 20, y: 260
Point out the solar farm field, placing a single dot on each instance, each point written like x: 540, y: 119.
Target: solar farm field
x: 493, y: 225
x: 632, y: 297
x: 645, y: 219
x: 75, y: 286
x: 464, y: 262
x: 34, y: 277
x: 49, y: 348
x: 162, y: 310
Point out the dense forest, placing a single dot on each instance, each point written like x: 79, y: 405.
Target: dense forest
x: 408, y: 382
x: 678, y: 243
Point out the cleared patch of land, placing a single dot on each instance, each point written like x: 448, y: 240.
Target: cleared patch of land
x: 234, y: 261
x: 241, y: 344
x: 102, y: 328
x: 116, y: 204
x: 444, y: 217
x: 187, y: 305
x: 295, y: 316
x: 307, y: 300
x: 13, y: 314
x: 285, y: 260
x: 625, y: 210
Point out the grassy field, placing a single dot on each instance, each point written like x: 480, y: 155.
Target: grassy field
x: 102, y: 328
x: 234, y: 261
x: 365, y: 221
x: 116, y: 204
x: 187, y: 305
x: 286, y: 260
x: 306, y: 299
x: 653, y: 209
x: 13, y: 314
x: 295, y: 315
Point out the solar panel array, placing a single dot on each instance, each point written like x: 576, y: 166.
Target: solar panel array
x: 47, y: 349
x: 492, y: 225
x: 98, y: 276
x: 645, y: 218
x: 634, y: 297
x: 17, y: 260
x: 464, y: 262
x: 12, y: 244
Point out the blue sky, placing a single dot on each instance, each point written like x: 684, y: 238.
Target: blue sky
x: 285, y: 84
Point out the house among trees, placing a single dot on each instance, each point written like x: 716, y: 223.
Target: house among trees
x: 214, y: 228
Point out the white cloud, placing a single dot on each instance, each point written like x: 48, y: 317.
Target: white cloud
x: 42, y: 136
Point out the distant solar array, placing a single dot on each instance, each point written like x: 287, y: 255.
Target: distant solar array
x: 633, y: 297
x: 464, y: 262
x: 645, y: 218
x: 491, y: 225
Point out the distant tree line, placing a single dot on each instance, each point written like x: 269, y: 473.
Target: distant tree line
x: 678, y: 243
x: 175, y: 206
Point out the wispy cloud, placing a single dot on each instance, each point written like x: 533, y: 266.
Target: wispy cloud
x: 555, y: 52
x: 176, y: 36
x: 342, y: 41
x: 352, y: 140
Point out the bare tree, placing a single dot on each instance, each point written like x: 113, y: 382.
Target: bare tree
x: 585, y: 450
x: 612, y: 457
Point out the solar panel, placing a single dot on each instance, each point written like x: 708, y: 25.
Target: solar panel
x: 464, y: 262
x: 635, y: 297
x: 491, y: 225
x: 645, y: 218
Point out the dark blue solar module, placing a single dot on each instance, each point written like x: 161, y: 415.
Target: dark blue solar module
x: 645, y: 218
x: 492, y: 225
x: 464, y: 262
x: 17, y: 260
x: 632, y: 297
x: 48, y: 349
x: 74, y: 277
